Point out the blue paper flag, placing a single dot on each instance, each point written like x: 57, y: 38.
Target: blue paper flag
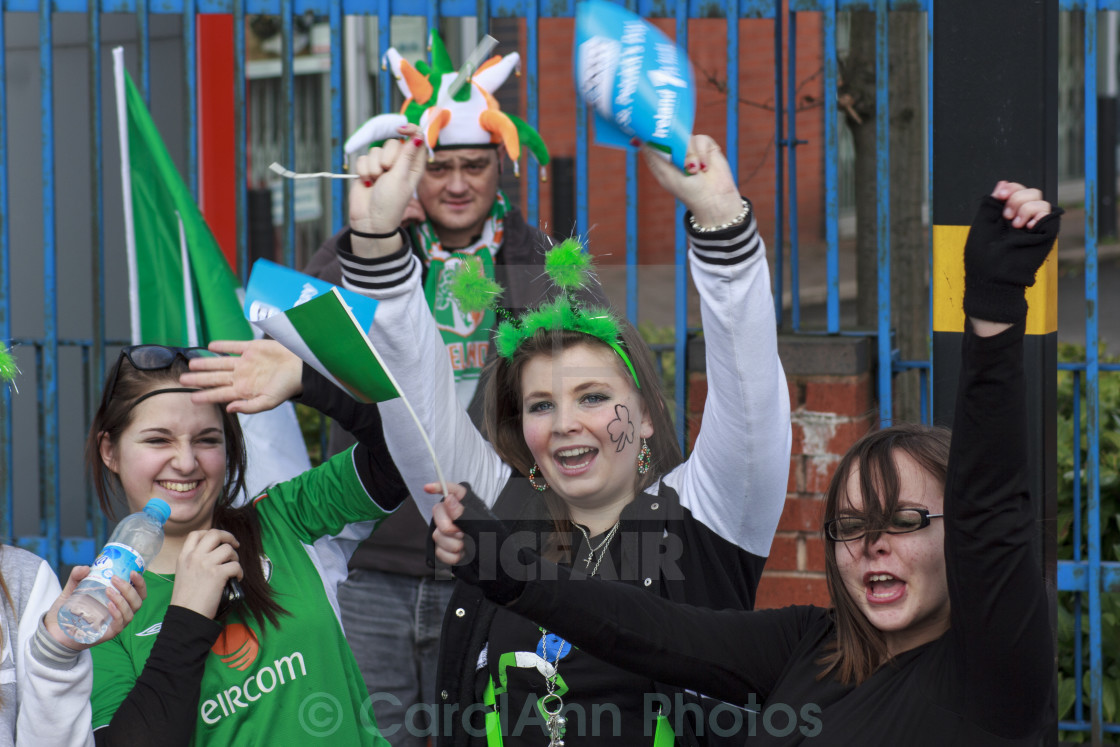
x: 636, y: 80
x: 274, y: 286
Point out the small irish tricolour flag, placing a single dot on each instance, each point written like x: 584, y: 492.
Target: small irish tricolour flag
x: 325, y: 326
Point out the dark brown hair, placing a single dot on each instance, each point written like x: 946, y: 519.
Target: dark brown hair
x: 503, y: 404
x: 115, y: 415
x: 860, y: 648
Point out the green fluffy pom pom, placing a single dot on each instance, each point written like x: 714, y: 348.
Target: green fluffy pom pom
x: 507, y: 338
x: 471, y: 288
x: 8, y: 367
x: 567, y: 264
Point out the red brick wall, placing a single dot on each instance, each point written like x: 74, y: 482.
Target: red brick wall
x: 829, y: 413
x: 707, y: 50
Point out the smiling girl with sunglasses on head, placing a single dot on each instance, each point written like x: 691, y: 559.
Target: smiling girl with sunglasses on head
x: 199, y: 666
x: 940, y: 633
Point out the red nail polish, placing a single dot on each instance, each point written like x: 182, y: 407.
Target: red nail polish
x: 367, y: 182
x: 417, y: 141
x: 689, y: 166
x: 703, y: 167
x: 635, y: 142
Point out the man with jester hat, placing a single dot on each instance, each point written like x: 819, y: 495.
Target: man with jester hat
x: 393, y: 602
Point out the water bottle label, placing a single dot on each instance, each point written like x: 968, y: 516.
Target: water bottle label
x: 115, y: 559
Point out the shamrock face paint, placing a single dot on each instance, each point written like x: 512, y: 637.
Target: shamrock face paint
x: 582, y: 419
x: 621, y: 429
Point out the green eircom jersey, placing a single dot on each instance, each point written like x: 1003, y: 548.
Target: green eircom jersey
x: 293, y: 684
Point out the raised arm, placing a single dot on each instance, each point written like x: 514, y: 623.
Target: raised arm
x: 378, y: 261
x: 998, y: 605
x: 747, y: 403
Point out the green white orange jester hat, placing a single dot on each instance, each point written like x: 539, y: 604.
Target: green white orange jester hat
x: 467, y: 117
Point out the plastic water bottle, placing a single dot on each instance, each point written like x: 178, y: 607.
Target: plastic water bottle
x: 137, y: 539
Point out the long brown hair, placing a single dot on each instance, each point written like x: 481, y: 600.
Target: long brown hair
x: 503, y: 404
x: 115, y: 415
x: 860, y: 648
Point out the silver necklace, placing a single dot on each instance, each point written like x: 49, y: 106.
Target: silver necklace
x: 552, y: 704
x: 601, y: 546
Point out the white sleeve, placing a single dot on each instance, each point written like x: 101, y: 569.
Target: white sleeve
x: 735, y: 480
x: 405, y: 335
x: 54, y: 683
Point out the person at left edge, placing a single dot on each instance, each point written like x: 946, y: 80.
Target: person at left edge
x: 46, y: 676
x: 274, y: 668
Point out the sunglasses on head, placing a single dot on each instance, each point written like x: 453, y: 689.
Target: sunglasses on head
x: 153, y: 358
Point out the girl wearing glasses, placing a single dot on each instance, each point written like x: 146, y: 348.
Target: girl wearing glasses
x: 197, y: 666
x: 940, y: 632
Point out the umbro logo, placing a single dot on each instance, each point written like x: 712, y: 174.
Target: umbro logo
x: 152, y: 630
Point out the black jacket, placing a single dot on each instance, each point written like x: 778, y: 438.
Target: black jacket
x: 709, y: 571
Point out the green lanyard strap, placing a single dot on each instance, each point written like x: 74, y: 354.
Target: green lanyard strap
x: 662, y: 737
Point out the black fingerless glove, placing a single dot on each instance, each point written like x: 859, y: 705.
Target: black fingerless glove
x: 1000, y: 262
x: 495, y: 560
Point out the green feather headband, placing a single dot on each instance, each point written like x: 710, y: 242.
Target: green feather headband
x: 569, y: 267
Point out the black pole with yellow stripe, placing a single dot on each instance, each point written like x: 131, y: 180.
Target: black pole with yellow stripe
x: 995, y: 116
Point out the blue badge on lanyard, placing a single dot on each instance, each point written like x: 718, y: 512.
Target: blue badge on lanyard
x: 552, y: 648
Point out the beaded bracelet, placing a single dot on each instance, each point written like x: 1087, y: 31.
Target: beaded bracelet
x: 742, y: 216
x: 364, y: 235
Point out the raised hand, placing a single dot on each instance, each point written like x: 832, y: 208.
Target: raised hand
x: 381, y: 195
x: 1010, y: 237
x: 447, y: 537
x: 1023, y: 206
x: 124, y: 600
x: 708, y: 189
x: 259, y: 376
x: 207, y: 561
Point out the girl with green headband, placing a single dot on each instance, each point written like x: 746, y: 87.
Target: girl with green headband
x: 579, y: 454
x: 582, y: 457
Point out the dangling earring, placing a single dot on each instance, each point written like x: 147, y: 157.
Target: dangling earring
x: 644, y: 458
x: 542, y: 486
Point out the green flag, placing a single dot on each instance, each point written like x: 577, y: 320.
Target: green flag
x: 181, y: 288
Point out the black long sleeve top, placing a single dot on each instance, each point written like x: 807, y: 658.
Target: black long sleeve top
x: 987, y: 681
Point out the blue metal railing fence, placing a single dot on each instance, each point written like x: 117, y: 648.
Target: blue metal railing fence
x: 1088, y: 577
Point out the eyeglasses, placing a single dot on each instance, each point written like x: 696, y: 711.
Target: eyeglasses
x: 902, y: 521
x: 152, y: 358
